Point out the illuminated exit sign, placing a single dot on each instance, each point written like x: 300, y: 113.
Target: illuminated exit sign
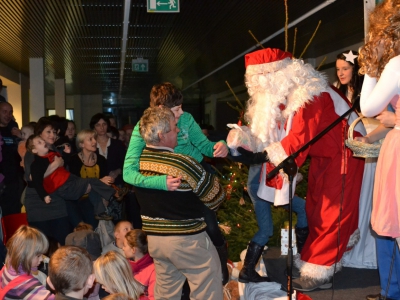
x: 163, y: 6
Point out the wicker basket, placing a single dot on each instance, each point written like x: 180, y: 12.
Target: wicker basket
x: 361, y: 149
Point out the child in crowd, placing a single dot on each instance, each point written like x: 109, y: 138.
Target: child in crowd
x: 26, y: 132
x: 50, y: 179
x: 71, y: 273
x: 120, y: 230
x: 122, y: 135
x: 113, y: 272
x: 53, y: 246
x: 25, y: 250
x: 135, y: 247
x: 84, y: 237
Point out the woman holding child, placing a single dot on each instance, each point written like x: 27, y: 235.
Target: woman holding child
x: 52, y: 218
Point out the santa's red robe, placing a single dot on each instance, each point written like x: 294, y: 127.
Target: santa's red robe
x: 326, y: 181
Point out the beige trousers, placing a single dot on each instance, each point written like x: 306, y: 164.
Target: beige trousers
x: 191, y: 257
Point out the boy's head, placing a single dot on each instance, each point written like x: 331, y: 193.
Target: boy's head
x: 71, y: 270
x: 27, y: 131
x: 36, y: 145
x: 165, y: 94
x: 120, y: 231
x: 87, y: 239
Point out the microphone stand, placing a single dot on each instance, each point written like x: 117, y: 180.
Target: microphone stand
x: 289, y: 166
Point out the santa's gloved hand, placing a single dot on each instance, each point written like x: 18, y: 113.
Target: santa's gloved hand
x: 253, y: 158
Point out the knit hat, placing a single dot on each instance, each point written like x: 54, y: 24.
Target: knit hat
x: 266, y: 61
x: 87, y: 239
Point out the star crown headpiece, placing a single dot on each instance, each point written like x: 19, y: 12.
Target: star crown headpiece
x: 350, y: 56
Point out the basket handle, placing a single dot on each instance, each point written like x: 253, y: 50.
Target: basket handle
x: 351, y: 128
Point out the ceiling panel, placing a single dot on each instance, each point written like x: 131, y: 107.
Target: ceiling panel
x: 80, y: 40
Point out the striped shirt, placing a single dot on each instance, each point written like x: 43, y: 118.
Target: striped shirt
x: 30, y: 289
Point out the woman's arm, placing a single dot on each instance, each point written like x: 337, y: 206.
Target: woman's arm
x: 131, y: 172
x: 375, y: 96
x: 375, y: 135
x: 197, y: 138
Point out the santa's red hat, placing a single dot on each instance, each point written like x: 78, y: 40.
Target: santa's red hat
x: 266, y: 61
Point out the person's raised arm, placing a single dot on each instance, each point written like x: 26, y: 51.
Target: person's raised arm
x: 200, y: 141
x: 376, y: 95
x: 131, y: 172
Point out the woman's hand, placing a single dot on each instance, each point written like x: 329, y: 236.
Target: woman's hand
x: 67, y: 148
x: 47, y: 199
x: 363, y: 139
x: 387, y: 118
x: 173, y: 182
x: 107, y: 180
x: 220, y: 150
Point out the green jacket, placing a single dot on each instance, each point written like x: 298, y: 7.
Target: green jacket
x: 191, y: 141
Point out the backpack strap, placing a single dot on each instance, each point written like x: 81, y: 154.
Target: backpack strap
x: 13, y: 283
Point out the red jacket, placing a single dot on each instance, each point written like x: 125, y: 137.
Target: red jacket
x: 144, y: 272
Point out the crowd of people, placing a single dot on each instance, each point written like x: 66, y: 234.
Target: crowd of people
x: 166, y: 242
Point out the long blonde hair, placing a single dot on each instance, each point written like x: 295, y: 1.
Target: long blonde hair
x: 114, y: 272
x: 384, y: 31
x: 23, y: 246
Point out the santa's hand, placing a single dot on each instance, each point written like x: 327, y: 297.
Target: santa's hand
x: 253, y: 158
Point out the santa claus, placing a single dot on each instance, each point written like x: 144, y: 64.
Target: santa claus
x: 290, y: 103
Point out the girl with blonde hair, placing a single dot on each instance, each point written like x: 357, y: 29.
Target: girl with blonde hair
x: 24, y: 254
x: 113, y: 272
x: 380, y: 62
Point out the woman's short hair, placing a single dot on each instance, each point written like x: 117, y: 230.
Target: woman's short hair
x: 155, y: 120
x: 42, y: 124
x: 114, y: 272
x: 23, y: 246
x: 165, y: 94
x: 84, y: 133
x: 96, y: 118
x: 137, y: 238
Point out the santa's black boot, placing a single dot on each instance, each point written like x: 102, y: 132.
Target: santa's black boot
x: 301, y: 237
x: 223, y: 257
x: 248, y: 272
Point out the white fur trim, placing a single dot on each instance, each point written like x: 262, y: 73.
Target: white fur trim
x: 354, y: 238
x: 293, y: 86
x: 267, y: 67
x: 276, y: 153
x: 314, y: 271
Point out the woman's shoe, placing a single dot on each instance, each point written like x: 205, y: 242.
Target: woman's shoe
x: 103, y: 216
x: 120, y: 192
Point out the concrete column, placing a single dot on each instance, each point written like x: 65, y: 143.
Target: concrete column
x: 37, y: 95
x: 59, y: 95
x: 24, y: 84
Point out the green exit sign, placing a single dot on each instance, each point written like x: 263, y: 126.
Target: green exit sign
x: 140, y: 65
x: 163, y: 6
